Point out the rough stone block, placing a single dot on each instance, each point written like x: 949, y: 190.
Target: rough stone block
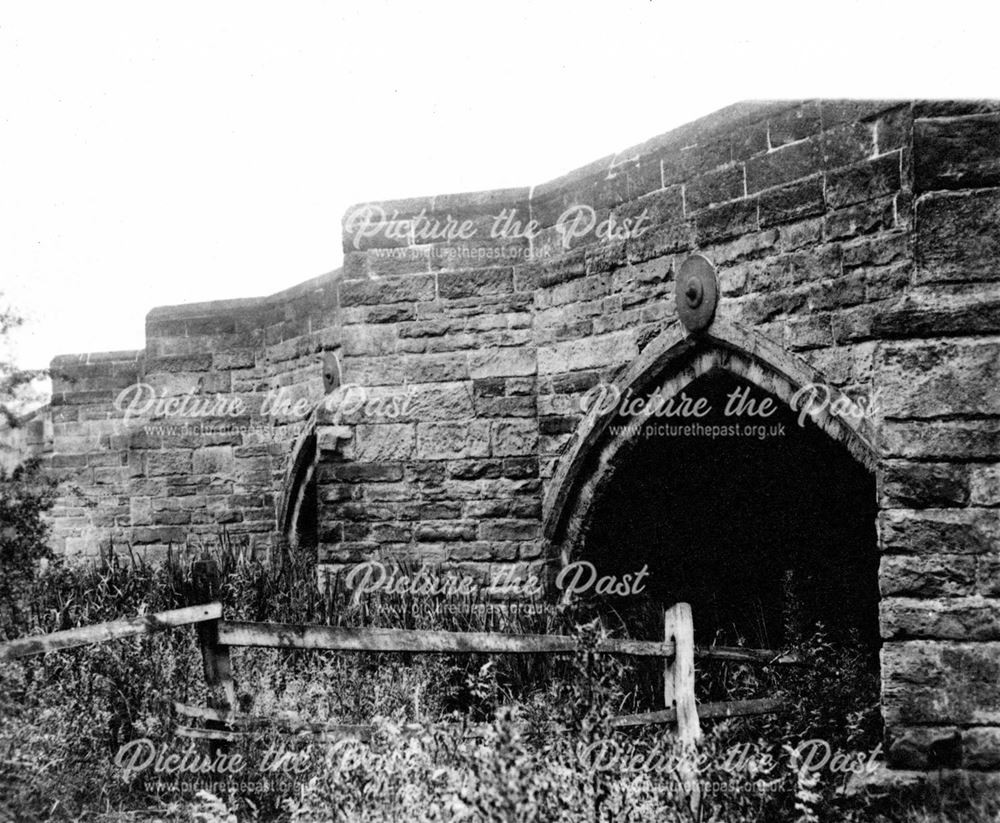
x: 984, y: 485
x: 605, y: 351
x: 866, y: 181
x: 783, y: 165
x: 140, y: 511
x: 407, y: 289
x: 384, y: 443
x: 714, y: 187
x: 929, y: 379
x: 936, y: 575
x: 432, y: 368
x: 439, y: 401
x: 369, y: 341
x: 950, y: 747
x: 446, y: 441
x: 364, y: 472
x: 439, y: 531
x: 941, y: 682
x: 943, y: 440
x: 793, y: 202
x: 474, y: 469
x: 723, y: 222
x: 904, y: 484
x: 955, y: 618
x: 847, y: 144
x: 502, y: 362
x: 239, y: 359
x: 957, y: 152
x: 509, y: 530
x: 864, y: 218
x: 794, y: 125
x: 454, y: 285
x: 941, y: 310
x: 514, y: 438
x: 958, y: 237
x: 939, y: 531
x: 213, y: 460
x: 167, y: 462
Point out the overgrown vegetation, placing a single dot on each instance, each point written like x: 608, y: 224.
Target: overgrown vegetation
x: 500, y: 738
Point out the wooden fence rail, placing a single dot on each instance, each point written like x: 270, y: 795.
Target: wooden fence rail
x: 288, y: 636
x: 114, y: 630
x: 217, y: 636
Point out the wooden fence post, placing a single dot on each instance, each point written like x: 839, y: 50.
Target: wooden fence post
x: 678, y: 675
x: 215, y: 655
x: 678, y: 694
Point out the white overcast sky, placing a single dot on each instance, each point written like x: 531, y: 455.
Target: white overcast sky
x: 158, y: 153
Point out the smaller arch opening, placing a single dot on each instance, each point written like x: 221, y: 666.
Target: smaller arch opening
x: 305, y: 528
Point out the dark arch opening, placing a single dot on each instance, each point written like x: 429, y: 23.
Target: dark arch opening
x: 766, y: 535
x: 306, y: 535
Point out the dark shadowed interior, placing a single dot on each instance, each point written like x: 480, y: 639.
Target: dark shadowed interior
x: 766, y: 537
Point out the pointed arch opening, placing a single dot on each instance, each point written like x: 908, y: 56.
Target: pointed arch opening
x: 764, y: 524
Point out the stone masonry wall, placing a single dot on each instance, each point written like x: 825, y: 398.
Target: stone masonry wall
x: 859, y: 236
x: 174, y: 481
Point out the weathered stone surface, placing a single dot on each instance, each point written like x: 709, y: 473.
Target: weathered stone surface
x: 936, y: 747
x: 370, y: 472
x: 939, y: 531
x: 443, y: 441
x: 794, y: 124
x: 984, y: 484
x: 792, y: 202
x: 930, y: 379
x: 406, y: 289
x: 369, y: 341
x: 964, y: 618
x: 179, y: 363
x: 435, y: 531
x: 573, y: 355
x: 167, y: 462
x: 904, y: 484
x: 505, y: 362
x: 510, y: 529
x: 847, y: 144
x: 942, y: 309
x: 938, y: 575
x: 714, y: 187
x: 956, y: 152
x: 725, y: 221
x: 515, y: 438
x: 438, y: 401
x: 430, y: 368
x: 783, y: 165
x: 383, y: 443
x: 866, y: 181
x: 213, y: 460
x: 945, y: 439
x: 934, y: 682
x: 239, y: 359
x: 988, y: 575
x: 959, y: 236
x: 475, y: 283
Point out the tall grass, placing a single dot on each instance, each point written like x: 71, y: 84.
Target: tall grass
x: 65, y: 715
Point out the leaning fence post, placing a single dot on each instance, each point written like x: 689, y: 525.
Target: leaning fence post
x: 215, y: 656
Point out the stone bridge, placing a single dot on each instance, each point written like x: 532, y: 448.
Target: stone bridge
x: 424, y: 402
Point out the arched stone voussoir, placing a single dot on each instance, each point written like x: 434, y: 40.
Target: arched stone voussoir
x: 668, y: 364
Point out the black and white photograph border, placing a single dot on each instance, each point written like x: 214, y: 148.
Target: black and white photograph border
x: 564, y: 412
